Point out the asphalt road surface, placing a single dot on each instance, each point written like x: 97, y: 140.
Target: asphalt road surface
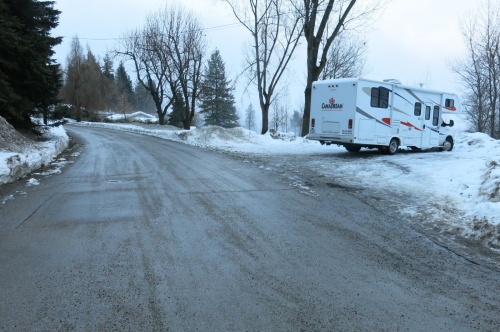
x: 143, y: 234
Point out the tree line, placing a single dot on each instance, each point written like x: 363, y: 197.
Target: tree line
x: 174, y: 77
x: 171, y: 72
x: 479, y: 68
x: 92, y: 87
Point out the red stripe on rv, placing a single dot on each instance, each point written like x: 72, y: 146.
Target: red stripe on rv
x: 408, y: 124
x: 387, y: 120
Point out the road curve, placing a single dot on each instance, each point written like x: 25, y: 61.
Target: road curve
x: 145, y: 234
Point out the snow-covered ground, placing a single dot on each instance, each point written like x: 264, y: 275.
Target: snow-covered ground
x: 460, y: 188
x: 31, y: 156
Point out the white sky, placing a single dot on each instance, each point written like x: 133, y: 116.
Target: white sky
x: 413, y: 41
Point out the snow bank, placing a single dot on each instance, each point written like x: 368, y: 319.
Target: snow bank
x: 141, y: 117
x: 15, y: 165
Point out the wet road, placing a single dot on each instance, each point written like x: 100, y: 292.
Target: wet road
x: 145, y: 234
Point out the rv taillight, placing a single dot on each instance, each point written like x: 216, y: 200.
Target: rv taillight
x: 350, y: 124
x: 313, y: 122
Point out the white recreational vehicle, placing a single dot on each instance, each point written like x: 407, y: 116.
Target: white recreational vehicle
x: 356, y: 113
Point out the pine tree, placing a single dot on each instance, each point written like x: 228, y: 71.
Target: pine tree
x: 124, y: 83
x: 107, y: 68
x: 29, y: 77
x: 72, y: 92
x: 176, y: 117
x: 250, y: 117
x: 143, y: 100
x: 296, y: 121
x: 217, y: 100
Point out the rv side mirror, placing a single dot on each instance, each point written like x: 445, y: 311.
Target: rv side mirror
x: 452, y: 123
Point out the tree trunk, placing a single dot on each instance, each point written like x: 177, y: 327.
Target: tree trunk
x: 265, y: 119
x: 161, y: 118
x: 45, y: 116
x: 306, y: 119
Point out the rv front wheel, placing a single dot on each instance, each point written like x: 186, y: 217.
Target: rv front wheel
x: 447, y: 145
x: 393, y: 146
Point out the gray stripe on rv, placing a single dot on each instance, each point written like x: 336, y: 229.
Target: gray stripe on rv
x: 414, y: 95
x: 360, y: 111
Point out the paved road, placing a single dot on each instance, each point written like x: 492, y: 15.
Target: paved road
x: 145, y: 234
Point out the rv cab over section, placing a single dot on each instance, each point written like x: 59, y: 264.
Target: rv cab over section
x: 359, y: 113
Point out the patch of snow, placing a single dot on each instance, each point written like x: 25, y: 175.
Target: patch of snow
x: 32, y: 182
x: 15, y: 165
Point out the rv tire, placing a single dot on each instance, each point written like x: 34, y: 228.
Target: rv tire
x: 447, y: 145
x: 393, y: 146
x: 352, y: 148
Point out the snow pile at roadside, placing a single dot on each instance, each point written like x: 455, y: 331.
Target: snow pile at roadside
x: 234, y: 139
x: 133, y: 117
x: 16, y: 164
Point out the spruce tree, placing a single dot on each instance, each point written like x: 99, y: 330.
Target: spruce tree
x: 29, y: 77
x: 124, y: 83
x: 176, y: 117
x: 250, y: 117
x: 217, y: 100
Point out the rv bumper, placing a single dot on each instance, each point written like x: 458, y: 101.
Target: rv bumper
x: 329, y: 139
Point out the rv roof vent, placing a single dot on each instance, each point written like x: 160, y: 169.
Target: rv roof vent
x: 393, y: 81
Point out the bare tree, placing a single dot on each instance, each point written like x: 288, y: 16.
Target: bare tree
x: 479, y: 71
x: 139, y: 47
x: 346, y: 57
x: 275, y: 31
x: 167, y: 56
x: 317, y: 16
x: 279, y: 118
x: 186, y: 48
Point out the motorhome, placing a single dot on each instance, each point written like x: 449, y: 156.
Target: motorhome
x: 360, y: 113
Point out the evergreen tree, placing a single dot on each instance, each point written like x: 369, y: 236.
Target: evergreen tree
x: 72, y: 92
x: 29, y: 77
x: 124, y: 83
x: 108, y: 83
x: 250, y: 117
x: 217, y: 100
x: 143, y: 100
x: 107, y: 68
x: 296, y: 121
x: 176, y: 117
x: 94, y: 86
x: 87, y: 85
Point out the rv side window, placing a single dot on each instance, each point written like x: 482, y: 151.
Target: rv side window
x: 418, y: 109
x: 450, y: 103
x: 435, y: 116
x: 380, y: 97
x: 427, y: 112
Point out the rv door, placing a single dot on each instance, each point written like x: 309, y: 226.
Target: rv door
x: 430, y: 135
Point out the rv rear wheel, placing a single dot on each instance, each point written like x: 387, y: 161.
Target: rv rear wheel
x: 352, y: 148
x: 393, y: 146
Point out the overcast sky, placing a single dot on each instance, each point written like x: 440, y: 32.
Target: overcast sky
x: 413, y: 41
